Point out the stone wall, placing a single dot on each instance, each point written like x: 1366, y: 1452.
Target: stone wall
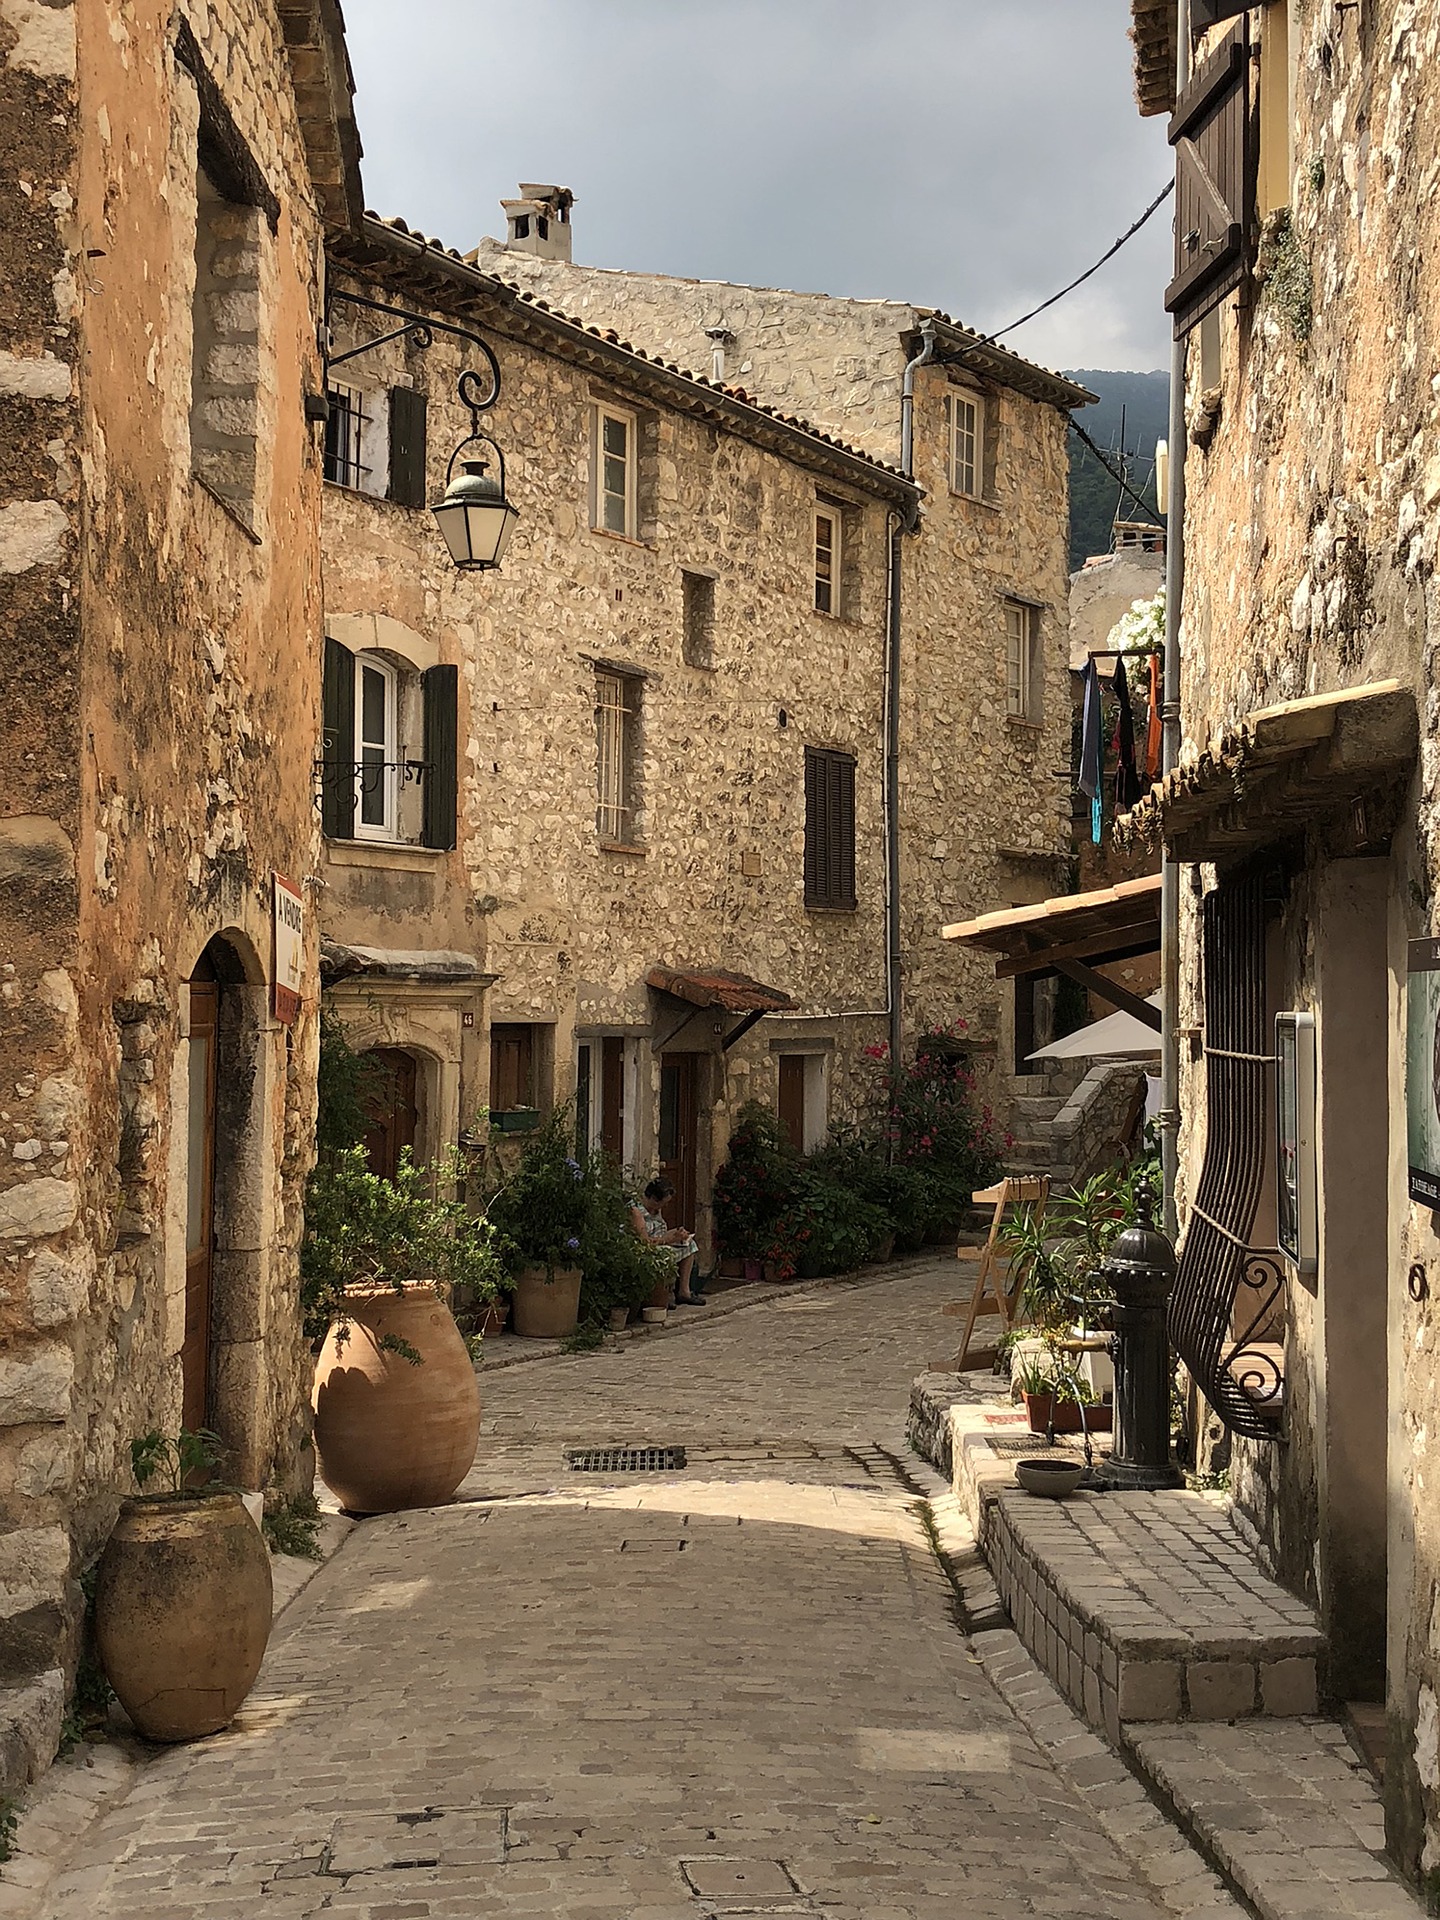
x: 985, y: 820
x: 158, y: 651
x: 1312, y: 529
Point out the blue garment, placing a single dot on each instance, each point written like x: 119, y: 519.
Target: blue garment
x: 1092, y: 749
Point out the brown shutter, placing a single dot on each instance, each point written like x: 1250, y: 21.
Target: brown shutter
x: 337, y: 754
x: 439, y: 690
x: 829, y: 828
x: 814, y: 828
x: 1209, y: 13
x: 1211, y: 131
x: 844, y: 778
x: 407, y: 447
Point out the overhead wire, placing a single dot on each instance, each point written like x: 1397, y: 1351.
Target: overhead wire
x: 992, y: 339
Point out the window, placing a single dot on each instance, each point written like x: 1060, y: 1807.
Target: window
x: 1024, y: 678
x: 1276, y: 110
x: 377, y: 736
x: 965, y: 419
x: 617, y: 726
x: 829, y: 828
x: 827, y: 560
x: 389, y: 755
x: 614, y: 472
x: 513, y: 1079
x: 602, y: 1113
x: 344, y: 436
x: 698, y: 645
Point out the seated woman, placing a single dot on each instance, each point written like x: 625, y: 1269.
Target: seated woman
x: 650, y: 1223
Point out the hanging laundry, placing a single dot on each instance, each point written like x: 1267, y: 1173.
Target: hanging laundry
x: 1154, y: 737
x: 1127, y: 774
x: 1092, y: 749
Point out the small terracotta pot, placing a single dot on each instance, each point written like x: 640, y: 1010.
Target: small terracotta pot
x: 1067, y: 1415
x: 732, y: 1268
x: 547, y: 1305
x: 660, y: 1295
x: 619, y: 1319
x: 182, y: 1611
x: 390, y: 1434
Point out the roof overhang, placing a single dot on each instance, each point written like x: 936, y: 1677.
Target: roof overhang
x: 1281, y: 771
x: 1152, y: 30
x: 344, y: 960
x: 1110, y: 923
x: 730, y: 992
x: 325, y: 100
x: 962, y: 346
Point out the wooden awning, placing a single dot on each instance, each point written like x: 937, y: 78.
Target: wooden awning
x: 1280, y: 770
x: 1073, y: 934
x: 733, y: 992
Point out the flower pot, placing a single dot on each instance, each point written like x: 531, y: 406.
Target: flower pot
x: 732, y: 1268
x: 182, y: 1611
x: 390, y: 1434
x: 496, y: 1314
x: 883, y: 1248
x: 660, y: 1293
x: 547, y: 1302
x: 1067, y: 1415
x: 1051, y: 1479
x: 755, y: 1270
x: 619, y: 1319
x: 516, y: 1120
x: 654, y: 1316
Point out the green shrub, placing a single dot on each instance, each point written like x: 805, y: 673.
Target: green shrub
x: 619, y: 1268
x: 545, y: 1209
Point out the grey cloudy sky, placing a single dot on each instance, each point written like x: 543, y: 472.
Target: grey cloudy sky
x: 968, y: 154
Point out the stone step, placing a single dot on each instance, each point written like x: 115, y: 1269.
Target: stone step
x: 1037, y: 1106
x: 1142, y: 1607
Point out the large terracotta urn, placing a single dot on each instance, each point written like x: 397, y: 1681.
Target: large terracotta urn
x: 390, y: 1431
x: 182, y: 1611
x: 547, y: 1302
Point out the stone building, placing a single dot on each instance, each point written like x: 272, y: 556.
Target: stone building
x: 170, y: 171
x: 1303, y: 813
x: 670, y: 708
x: 713, y: 642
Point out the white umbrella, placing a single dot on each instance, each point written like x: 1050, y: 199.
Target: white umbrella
x: 1117, y: 1036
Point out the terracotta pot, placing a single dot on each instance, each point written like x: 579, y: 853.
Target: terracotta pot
x: 390, y: 1434
x: 182, y: 1611
x: 547, y: 1305
x: 660, y: 1294
x: 733, y: 1268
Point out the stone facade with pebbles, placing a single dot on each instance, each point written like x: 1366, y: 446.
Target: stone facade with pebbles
x: 169, y: 170
x: 704, y: 611
x: 1312, y: 531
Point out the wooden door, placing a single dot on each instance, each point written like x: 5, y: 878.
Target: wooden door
x: 680, y: 1133
x: 792, y: 1099
x: 392, y: 1109
x: 200, y: 1197
x: 512, y: 1067
x: 612, y: 1095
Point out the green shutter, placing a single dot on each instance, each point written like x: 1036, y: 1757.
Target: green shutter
x: 337, y: 717
x: 440, y: 686
x: 407, y: 447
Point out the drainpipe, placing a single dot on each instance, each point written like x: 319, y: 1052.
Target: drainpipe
x: 1170, y: 729
x: 898, y: 529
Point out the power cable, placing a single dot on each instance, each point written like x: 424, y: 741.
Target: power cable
x: 1119, y: 478
x: 992, y: 339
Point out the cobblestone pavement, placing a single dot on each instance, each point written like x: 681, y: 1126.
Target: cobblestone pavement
x: 735, y: 1689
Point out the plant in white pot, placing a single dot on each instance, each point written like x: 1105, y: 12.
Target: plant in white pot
x: 183, y: 1596
x: 397, y: 1404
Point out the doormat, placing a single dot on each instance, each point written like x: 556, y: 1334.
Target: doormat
x: 624, y: 1459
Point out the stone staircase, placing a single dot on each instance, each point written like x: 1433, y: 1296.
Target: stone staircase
x: 1066, y: 1121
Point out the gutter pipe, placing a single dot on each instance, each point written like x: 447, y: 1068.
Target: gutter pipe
x: 1170, y: 730
x: 900, y: 525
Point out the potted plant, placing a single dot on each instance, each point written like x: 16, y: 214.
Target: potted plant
x: 183, y: 1597
x: 397, y: 1405
x: 1054, y: 1396
x: 544, y: 1211
x: 620, y: 1271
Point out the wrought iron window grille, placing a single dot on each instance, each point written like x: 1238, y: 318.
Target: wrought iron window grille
x: 364, y: 775
x: 1227, y: 1291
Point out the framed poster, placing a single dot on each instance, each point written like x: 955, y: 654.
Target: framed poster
x: 1296, y: 1230
x: 289, y: 970
x: 1422, y: 1070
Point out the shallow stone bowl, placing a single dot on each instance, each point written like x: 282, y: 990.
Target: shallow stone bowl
x: 1052, y: 1479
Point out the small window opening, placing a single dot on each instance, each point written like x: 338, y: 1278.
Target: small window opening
x: 345, y: 436
x: 699, y: 637
x: 827, y: 561
x: 617, y: 726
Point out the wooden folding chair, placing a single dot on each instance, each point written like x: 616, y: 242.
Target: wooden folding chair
x: 992, y: 1277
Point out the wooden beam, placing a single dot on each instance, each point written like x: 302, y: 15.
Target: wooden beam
x: 1111, y: 942
x: 1107, y: 989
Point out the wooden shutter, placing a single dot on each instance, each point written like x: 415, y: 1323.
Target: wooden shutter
x: 439, y: 687
x: 1209, y: 13
x: 407, y: 447
x: 512, y: 1068
x: 792, y: 1099
x: 337, y: 757
x: 829, y: 828
x: 1212, y: 133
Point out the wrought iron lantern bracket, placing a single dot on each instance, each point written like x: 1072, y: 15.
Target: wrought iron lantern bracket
x: 421, y: 328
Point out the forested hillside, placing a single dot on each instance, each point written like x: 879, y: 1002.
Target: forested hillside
x: 1145, y: 399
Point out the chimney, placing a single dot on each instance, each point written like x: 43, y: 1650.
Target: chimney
x: 539, y: 221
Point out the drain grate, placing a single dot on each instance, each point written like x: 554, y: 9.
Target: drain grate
x: 624, y: 1459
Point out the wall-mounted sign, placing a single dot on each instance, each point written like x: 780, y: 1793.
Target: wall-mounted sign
x: 289, y: 968
x: 1295, y: 1212
x: 1422, y: 1070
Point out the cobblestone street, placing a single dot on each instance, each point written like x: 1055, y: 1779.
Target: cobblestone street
x: 737, y: 1688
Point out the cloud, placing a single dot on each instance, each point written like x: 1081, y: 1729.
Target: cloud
x: 959, y: 153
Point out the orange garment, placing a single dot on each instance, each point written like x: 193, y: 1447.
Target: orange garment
x: 1153, y: 733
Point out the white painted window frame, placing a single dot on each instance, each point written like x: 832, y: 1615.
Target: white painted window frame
x: 388, y: 828
x: 600, y: 413
x: 1022, y: 691
x: 835, y: 517
x: 616, y: 713
x: 967, y: 475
